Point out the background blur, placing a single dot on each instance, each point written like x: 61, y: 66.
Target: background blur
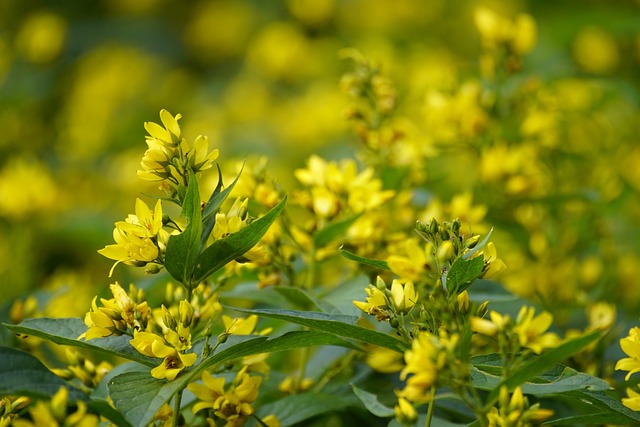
x: 79, y: 79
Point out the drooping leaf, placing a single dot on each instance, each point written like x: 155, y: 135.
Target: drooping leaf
x: 338, y: 324
x: 22, y: 374
x: 376, y: 263
x: 183, y: 249
x: 371, y: 402
x: 479, y: 246
x: 544, y: 362
x: 462, y: 274
x: 66, y: 332
x: 229, y: 248
x: 593, y: 405
x: 487, y: 370
x: 333, y: 231
x: 139, y: 396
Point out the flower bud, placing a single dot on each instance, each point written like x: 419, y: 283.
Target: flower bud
x: 482, y: 310
x: 433, y: 226
x: 380, y: 284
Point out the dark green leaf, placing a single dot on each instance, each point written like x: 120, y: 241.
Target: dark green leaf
x: 382, y: 265
x: 333, y: 231
x: 22, y: 374
x: 462, y: 274
x: 596, y: 403
x: 338, y: 324
x: 225, y: 250
x: 295, y: 409
x: 139, y: 396
x: 66, y: 332
x: 299, y: 298
x: 486, y: 375
x: 183, y: 249
x: 372, y: 403
x: 544, y: 362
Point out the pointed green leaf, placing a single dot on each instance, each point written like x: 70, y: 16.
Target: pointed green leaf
x: 462, y: 274
x: 139, y: 396
x: 338, y: 324
x: 235, y: 245
x: 479, y: 246
x: 372, y: 403
x: 544, y: 362
x: 379, y: 264
x: 22, y: 374
x: 183, y: 249
x: 211, y: 208
x: 333, y: 231
x: 487, y: 370
x: 66, y: 332
x: 595, y: 404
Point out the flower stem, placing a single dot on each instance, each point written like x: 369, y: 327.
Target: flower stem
x: 432, y: 404
x: 176, y: 408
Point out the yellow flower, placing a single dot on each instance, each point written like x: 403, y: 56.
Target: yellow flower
x: 199, y: 157
x: 515, y: 410
x: 420, y: 362
x: 152, y: 345
x: 384, y: 360
x: 633, y: 401
x: 55, y: 414
x: 491, y: 327
x: 376, y: 303
x: 403, y: 297
x: 208, y: 393
x: 405, y: 412
x: 242, y: 326
x: 631, y: 346
x: 531, y: 330
x: 415, y: 263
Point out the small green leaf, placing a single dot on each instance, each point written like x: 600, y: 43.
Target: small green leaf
x: 333, y: 231
x: 372, y: 403
x: 337, y: 324
x: 213, y: 204
x: 66, y: 332
x: 544, y: 362
x: 183, y: 249
x: 22, y: 374
x: 462, y: 274
x: 229, y: 248
x: 478, y: 246
x: 379, y: 264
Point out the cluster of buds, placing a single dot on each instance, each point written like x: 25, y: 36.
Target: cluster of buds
x: 169, y: 157
x: 450, y: 243
x: 515, y: 410
x: 122, y: 314
x: 83, y: 369
x: 10, y: 407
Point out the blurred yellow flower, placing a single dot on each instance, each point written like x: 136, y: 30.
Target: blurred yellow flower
x: 531, y: 330
x: 633, y: 401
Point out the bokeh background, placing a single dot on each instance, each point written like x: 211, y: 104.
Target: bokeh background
x: 79, y: 79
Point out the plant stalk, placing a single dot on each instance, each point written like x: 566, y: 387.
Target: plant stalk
x: 432, y: 404
x: 176, y: 408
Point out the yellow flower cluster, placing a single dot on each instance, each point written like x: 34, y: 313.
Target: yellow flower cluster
x: 515, y: 411
x: 53, y: 413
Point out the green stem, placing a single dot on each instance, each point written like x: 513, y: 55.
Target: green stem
x: 304, y: 358
x: 311, y: 271
x: 432, y: 404
x: 176, y: 408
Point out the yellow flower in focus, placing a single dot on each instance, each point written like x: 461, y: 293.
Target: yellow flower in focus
x: 633, y: 401
x: 242, y: 326
x: 403, y: 296
x: 631, y: 346
x: 493, y: 264
x: 376, y: 303
x: 200, y: 158
x: 209, y: 392
x: 531, y: 330
x: 232, y: 221
x: 152, y: 345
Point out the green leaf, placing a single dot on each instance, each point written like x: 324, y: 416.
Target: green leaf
x: 22, y: 374
x: 479, y: 246
x: 487, y: 370
x: 337, y: 324
x: 462, y: 274
x: 225, y: 250
x: 183, y: 249
x: 66, y: 332
x: 299, y: 298
x: 292, y: 410
x: 139, y: 396
x: 372, y: 403
x: 379, y: 264
x: 595, y: 404
x: 213, y: 204
x: 333, y: 231
x: 544, y: 362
